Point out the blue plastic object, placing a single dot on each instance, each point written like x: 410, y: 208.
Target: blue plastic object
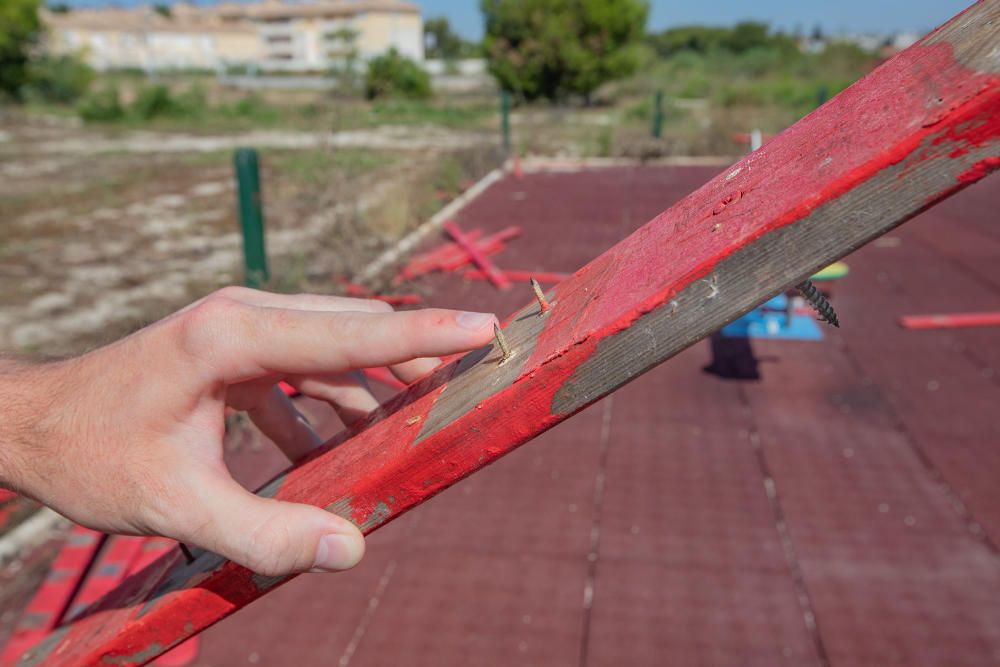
x: 771, y: 322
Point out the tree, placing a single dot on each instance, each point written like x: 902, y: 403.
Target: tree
x: 343, y: 56
x: 394, y: 75
x: 440, y: 41
x: 557, y: 48
x: 19, y: 27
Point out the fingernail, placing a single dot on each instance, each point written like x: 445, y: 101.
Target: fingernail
x: 337, y: 552
x: 474, y: 321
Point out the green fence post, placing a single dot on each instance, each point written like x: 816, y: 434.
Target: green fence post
x: 658, y: 115
x: 505, y: 120
x: 822, y: 95
x: 251, y: 217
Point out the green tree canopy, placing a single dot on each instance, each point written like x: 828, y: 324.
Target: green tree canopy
x: 394, y: 75
x: 440, y: 41
x: 557, y: 48
x: 19, y: 26
x: 742, y: 37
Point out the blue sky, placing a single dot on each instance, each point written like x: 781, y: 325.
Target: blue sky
x: 852, y: 15
x: 834, y: 16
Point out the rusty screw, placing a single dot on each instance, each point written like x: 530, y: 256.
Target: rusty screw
x: 502, y: 342
x: 543, y: 303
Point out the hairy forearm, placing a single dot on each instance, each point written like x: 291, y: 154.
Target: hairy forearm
x: 14, y: 420
x: 25, y: 407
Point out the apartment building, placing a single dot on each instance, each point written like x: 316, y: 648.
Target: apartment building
x: 313, y: 36
x: 270, y: 36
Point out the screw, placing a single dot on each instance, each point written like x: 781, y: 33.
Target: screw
x: 188, y: 556
x: 502, y: 342
x: 543, y: 303
x: 819, y: 302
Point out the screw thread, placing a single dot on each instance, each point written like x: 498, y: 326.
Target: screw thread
x: 819, y: 302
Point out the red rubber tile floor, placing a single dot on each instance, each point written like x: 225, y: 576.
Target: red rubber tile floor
x: 842, y: 509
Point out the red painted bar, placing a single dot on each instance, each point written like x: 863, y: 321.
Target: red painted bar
x: 110, y: 569
x: 399, y: 299
x: 920, y: 128
x: 478, y: 258
x: 426, y: 262
x: 53, y: 597
x: 384, y: 376
x: 950, y: 321
x: 489, y: 246
x: 451, y: 256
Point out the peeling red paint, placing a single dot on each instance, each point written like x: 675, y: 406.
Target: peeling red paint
x: 979, y: 170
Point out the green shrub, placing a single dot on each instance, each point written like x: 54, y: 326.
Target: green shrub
x: 103, y: 105
x: 394, y: 75
x: 152, y: 102
x: 252, y: 107
x: 58, y: 79
x: 192, y: 103
x: 19, y: 28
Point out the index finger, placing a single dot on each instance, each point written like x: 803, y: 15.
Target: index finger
x: 242, y: 342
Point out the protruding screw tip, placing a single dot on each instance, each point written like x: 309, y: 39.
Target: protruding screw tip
x: 543, y: 303
x: 502, y: 342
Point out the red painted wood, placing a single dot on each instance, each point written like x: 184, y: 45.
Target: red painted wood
x: 926, y: 126
x: 362, y: 292
x: 950, y: 321
x: 53, y: 597
x: 399, y: 299
x: 384, y: 376
x: 110, y: 568
x: 491, y: 245
x: 430, y: 260
x: 487, y: 248
x: 519, y: 276
x: 451, y: 256
x: 479, y: 259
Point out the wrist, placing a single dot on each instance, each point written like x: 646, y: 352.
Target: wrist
x: 27, y: 402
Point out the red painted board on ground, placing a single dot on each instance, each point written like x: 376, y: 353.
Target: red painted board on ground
x: 950, y: 321
x: 55, y: 594
x: 477, y: 256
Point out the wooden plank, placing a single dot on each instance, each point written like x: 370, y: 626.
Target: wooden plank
x: 478, y: 257
x: 918, y: 129
x: 950, y: 321
x: 109, y: 569
x: 55, y: 594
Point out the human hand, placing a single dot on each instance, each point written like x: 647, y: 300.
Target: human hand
x: 128, y: 438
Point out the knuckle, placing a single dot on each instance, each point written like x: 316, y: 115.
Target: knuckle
x: 231, y: 292
x: 201, y: 322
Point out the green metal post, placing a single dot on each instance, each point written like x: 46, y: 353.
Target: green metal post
x: 505, y: 120
x: 658, y: 115
x: 822, y: 95
x: 251, y: 217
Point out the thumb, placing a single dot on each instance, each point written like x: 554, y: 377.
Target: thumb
x: 275, y: 538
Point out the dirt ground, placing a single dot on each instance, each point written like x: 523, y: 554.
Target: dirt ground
x: 102, y: 232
